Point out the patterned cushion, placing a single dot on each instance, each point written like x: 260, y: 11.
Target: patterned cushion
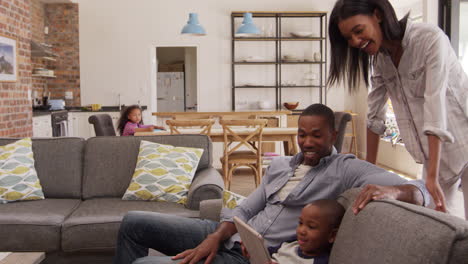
x: 231, y: 200
x: 163, y: 173
x: 18, y: 177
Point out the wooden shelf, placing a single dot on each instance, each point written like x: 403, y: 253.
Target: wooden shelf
x: 302, y: 62
x: 255, y: 86
x: 282, y: 14
x: 301, y: 86
x: 314, y: 40
x: 277, y: 39
x: 46, y: 76
x: 255, y: 62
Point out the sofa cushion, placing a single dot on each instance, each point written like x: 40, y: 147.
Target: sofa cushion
x: 34, y: 225
x: 59, y: 165
x: 163, y: 173
x: 95, y: 224
x: 18, y: 177
x: 395, y: 232
x: 110, y: 161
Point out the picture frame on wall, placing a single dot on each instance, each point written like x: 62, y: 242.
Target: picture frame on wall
x: 8, y: 59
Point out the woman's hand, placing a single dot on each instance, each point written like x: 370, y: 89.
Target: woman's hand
x: 245, y: 253
x: 437, y: 194
x: 207, y: 249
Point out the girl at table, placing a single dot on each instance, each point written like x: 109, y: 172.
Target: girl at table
x: 415, y: 66
x: 130, y: 121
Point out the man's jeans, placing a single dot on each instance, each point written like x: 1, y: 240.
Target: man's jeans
x: 167, y: 234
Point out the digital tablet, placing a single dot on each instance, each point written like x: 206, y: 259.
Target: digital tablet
x: 253, y: 241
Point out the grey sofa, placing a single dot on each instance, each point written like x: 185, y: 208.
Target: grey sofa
x: 390, y: 232
x: 83, y: 182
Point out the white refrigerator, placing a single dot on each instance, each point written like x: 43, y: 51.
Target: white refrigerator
x: 171, y: 92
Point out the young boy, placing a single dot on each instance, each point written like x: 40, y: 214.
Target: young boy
x: 316, y: 232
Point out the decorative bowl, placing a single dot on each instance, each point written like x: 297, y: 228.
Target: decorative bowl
x: 96, y: 107
x: 291, y: 105
x: 302, y: 34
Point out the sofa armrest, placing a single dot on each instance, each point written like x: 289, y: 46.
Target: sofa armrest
x: 211, y: 209
x: 207, y: 184
x: 347, y: 198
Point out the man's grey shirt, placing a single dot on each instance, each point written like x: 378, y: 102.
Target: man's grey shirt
x: 277, y: 220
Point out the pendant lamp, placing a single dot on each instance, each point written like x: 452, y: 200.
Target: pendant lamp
x: 193, y: 27
x: 247, y: 28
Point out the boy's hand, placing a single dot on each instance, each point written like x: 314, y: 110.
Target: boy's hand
x: 245, y: 253
x: 207, y: 249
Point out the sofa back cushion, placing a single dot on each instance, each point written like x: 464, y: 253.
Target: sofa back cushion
x: 396, y: 232
x: 110, y: 161
x: 59, y: 165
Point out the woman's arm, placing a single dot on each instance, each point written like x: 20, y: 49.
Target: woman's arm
x: 372, y: 146
x: 432, y: 170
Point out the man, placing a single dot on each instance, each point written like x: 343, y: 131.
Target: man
x: 289, y: 184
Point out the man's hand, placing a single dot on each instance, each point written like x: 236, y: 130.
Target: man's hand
x: 437, y: 194
x: 374, y: 192
x: 207, y: 249
x: 245, y: 253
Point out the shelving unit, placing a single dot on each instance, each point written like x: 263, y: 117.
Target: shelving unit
x: 280, y: 38
x: 43, y: 54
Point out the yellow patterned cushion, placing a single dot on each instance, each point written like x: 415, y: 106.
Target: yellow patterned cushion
x: 231, y: 200
x: 18, y: 177
x: 163, y: 173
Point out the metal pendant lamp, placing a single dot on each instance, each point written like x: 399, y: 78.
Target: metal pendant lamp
x: 193, y: 27
x: 247, y: 28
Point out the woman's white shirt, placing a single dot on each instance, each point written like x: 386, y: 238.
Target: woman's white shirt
x: 429, y: 93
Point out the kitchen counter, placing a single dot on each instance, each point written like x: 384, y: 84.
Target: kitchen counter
x: 80, y: 109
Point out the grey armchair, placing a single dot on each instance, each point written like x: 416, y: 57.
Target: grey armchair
x: 102, y: 125
x: 341, y: 120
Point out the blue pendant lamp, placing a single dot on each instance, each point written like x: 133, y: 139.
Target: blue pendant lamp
x: 193, y: 27
x: 247, y: 28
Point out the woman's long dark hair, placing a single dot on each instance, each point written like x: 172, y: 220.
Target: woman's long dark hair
x: 347, y: 62
x: 124, y: 117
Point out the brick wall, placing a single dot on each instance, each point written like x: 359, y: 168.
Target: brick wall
x: 15, y: 108
x: 63, y: 23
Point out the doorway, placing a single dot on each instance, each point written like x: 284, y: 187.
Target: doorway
x: 176, y: 78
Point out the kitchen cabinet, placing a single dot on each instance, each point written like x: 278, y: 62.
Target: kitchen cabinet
x: 42, y: 126
x: 78, y: 125
x: 285, y: 63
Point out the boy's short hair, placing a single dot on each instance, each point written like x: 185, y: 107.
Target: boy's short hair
x: 321, y: 110
x: 332, y: 210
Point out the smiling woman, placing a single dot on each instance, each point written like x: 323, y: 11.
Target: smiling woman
x: 415, y: 66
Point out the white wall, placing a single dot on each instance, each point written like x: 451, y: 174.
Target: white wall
x: 116, y: 38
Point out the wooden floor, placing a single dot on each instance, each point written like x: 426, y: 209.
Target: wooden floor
x: 243, y: 182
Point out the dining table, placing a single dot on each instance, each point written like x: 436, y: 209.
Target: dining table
x: 287, y: 135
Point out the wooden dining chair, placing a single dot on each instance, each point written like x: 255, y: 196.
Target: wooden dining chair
x: 234, y: 139
x: 204, y: 125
